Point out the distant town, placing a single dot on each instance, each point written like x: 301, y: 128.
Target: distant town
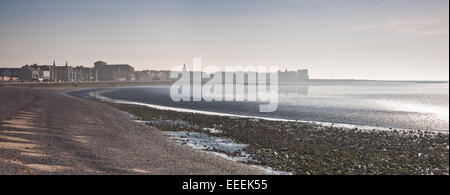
x: 103, y: 71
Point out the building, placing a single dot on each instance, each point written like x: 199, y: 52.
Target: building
x: 303, y: 75
x: 65, y: 73
x: 30, y: 73
x: 113, y: 72
x: 124, y: 72
x: 43, y: 73
x: 81, y: 73
x: 287, y: 76
x: 158, y: 75
x: 9, y: 74
x: 300, y: 75
x: 142, y: 75
x: 53, y: 73
x: 162, y: 75
x: 47, y: 73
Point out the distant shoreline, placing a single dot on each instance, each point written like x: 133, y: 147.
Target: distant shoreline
x: 146, y: 83
x: 74, y: 85
x: 368, y: 80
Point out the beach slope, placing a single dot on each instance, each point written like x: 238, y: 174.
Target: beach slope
x: 45, y: 132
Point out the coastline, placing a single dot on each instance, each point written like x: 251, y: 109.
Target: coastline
x: 385, y: 151
x: 45, y: 132
x: 286, y: 146
x: 367, y: 113
x: 99, y: 96
x: 302, y: 148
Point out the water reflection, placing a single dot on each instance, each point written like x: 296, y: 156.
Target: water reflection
x: 293, y: 90
x: 404, y: 105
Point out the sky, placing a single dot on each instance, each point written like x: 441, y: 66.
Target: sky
x: 346, y: 39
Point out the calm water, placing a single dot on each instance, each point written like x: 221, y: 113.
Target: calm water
x: 403, y: 105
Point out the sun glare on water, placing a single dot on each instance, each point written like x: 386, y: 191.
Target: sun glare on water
x: 441, y: 112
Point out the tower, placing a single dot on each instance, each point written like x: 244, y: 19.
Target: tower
x: 53, y: 74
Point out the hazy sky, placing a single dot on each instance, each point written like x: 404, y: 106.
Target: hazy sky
x: 359, y: 39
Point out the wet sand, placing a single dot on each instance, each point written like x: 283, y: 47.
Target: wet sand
x: 312, y: 149
x: 45, y: 132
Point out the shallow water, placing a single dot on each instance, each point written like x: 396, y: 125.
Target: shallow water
x: 402, y: 105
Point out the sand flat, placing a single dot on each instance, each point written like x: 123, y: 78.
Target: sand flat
x: 45, y: 132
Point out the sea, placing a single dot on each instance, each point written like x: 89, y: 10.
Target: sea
x: 389, y: 105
